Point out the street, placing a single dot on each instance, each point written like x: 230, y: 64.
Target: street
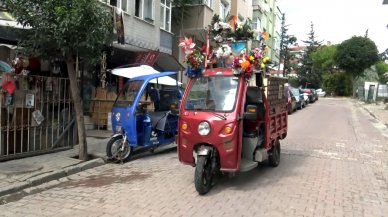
x: 334, y: 162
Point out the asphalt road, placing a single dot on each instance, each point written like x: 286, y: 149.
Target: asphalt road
x: 334, y: 163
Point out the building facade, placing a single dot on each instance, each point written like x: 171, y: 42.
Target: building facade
x: 267, y: 17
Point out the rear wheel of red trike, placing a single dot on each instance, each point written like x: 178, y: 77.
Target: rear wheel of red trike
x: 274, y: 154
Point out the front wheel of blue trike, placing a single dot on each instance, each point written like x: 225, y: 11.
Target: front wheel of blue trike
x: 118, y: 150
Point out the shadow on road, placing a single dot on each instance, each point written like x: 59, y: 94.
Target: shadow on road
x: 261, y: 177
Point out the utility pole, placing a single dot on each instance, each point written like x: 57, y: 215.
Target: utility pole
x: 282, y: 36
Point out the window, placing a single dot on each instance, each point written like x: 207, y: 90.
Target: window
x: 165, y: 15
x: 144, y: 10
x: 256, y: 23
x: 224, y: 10
x: 209, y: 3
x: 122, y: 4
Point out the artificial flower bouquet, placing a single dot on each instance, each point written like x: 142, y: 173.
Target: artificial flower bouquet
x: 246, y: 62
x: 194, y: 58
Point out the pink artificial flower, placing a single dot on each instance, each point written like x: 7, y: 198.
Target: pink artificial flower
x: 187, y: 45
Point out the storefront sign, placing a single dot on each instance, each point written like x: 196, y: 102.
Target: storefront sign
x: 148, y: 58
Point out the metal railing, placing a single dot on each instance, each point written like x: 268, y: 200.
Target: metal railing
x: 37, y: 118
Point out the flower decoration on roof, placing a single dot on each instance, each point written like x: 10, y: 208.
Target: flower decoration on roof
x: 221, y: 31
x: 231, y: 30
x: 247, y: 61
x: 194, y: 58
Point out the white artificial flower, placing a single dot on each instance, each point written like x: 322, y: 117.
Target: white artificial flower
x: 225, y: 25
x: 218, y: 38
x: 216, y: 26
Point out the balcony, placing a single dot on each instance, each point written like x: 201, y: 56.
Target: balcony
x: 258, y: 5
x: 199, y: 19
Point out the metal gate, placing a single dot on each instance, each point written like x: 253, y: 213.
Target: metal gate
x: 37, y: 118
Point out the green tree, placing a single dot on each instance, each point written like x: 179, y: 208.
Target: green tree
x: 65, y: 29
x: 324, y: 58
x: 285, y: 42
x: 355, y: 55
x: 307, y: 73
x: 382, y: 71
x: 180, y: 12
x: 337, y: 83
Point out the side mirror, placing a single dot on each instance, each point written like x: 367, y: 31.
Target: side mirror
x: 174, y: 109
x: 251, y: 112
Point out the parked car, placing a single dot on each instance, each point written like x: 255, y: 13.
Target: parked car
x: 315, y: 95
x: 310, y: 95
x: 299, y: 98
x: 321, y: 93
x: 291, y: 100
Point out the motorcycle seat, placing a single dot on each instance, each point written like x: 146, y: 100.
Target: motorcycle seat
x: 158, y: 119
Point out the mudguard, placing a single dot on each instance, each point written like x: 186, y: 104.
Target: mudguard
x: 204, y: 151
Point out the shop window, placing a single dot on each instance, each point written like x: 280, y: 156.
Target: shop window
x: 144, y: 10
x: 165, y: 15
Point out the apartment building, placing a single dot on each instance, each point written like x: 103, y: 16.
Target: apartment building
x: 267, y: 17
x: 143, y: 29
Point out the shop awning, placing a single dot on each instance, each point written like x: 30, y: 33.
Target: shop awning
x: 10, y: 46
x: 132, y: 72
x: 167, y: 62
x: 7, y: 20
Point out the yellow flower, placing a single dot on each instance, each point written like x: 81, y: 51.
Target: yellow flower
x: 262, y: 65
x: 251, y: 58
x: 266, y: 59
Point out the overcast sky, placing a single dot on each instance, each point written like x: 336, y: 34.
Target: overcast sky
x: 337, y: 20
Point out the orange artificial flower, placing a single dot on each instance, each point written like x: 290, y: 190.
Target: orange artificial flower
x: 245, y: 64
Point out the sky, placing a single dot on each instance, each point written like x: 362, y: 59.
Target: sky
x: 337, y: 20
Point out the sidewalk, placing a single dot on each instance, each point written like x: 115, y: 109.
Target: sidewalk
x: 377, y: 111
x: 16, y: 175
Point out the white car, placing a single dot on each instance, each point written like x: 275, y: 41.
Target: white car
x: 320, y: 93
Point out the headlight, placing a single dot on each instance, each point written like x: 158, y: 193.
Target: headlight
x: 117, y: 116
x: 204, y: 128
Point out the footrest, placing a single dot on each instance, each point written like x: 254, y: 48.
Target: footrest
x: 246, y: 165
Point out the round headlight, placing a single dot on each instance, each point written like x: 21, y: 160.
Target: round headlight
x: 117, y: 116
x: 204, y: 128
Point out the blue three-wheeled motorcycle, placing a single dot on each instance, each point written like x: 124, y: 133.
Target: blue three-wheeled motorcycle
x: 143, y: 113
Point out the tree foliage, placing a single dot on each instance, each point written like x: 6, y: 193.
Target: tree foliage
x: 307, y: 73
x: 337, y: 84
x: 180, y: 12
x: 382, y: 71
x: 323, y: 58
x: 355, y: 55
x: 65, y: 29
x: 285, y: 42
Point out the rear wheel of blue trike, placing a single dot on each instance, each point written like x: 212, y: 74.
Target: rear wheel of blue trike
x: 118, y: 150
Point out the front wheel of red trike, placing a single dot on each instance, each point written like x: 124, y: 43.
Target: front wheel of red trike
x: 203, y: 176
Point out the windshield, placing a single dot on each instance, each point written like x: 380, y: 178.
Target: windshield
x: 217, y: 93
x: 295, y: 92
x: 128, y: 94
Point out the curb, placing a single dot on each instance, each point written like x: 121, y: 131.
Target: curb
x: 53, y: 175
